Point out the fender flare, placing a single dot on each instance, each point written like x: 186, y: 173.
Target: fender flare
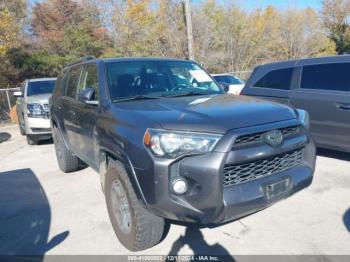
x: 105, y: 158
x: 54, y: 120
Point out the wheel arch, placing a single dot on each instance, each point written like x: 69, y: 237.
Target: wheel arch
x: 55, y: 124
x: 107, y: 157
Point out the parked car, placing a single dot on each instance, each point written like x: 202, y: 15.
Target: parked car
x: 169, y: 143
x: 320, y: 86
x: 233, y: 84
x: 33, y: 108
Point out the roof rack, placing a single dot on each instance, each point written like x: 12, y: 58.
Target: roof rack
x: 83, y: 59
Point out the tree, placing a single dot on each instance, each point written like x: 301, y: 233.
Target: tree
x: 7, y: 32
x: 65, y: 30
x: 302, y: 35
x: 147, y: 28
x: 335, y: 14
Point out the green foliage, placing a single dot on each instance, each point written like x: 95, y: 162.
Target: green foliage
x: 336, y: 14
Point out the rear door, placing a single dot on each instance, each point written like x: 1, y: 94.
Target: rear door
x: 269, y: 84
x: 325, y: 93
x: 69, y: 108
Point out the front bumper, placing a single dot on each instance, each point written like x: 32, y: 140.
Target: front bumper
x: 37, y: 126
x: 208, y: 201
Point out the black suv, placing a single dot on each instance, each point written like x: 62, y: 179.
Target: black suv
x: 170, y: 144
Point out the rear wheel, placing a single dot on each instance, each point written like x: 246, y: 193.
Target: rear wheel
x: 22, y: 128
x: 67, y: 162
x: 136, y: 228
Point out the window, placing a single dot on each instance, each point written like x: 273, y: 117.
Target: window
x: 60, y: 83
x: 276, y: 79
x: 228, y: 79
x: 40, y: 87
x: 333, y: 76
x: 158, y: 78
x: 89, y: 79
x: 73, y: 81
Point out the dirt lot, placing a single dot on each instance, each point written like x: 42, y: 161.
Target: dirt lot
x: 43, y: 210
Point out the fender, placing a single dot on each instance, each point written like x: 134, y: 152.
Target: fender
x: 105, y: 158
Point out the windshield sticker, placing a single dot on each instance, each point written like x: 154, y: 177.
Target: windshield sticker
x: 200, y: 76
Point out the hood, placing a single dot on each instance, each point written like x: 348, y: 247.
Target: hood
x: 212, y: 114
x: 41, y: 99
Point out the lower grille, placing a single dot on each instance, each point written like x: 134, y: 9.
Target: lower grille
x: 41, y: 129
x: 236, y: 174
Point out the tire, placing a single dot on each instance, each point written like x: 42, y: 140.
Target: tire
x: 22, y: 129
x: 143, y: 229
x: 31, y: 140
x: 67, y: 162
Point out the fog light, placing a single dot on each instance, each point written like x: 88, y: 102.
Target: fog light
x: 179, y: 185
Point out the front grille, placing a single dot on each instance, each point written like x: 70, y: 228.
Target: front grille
x: 236, y: 174
x: 258, y: 137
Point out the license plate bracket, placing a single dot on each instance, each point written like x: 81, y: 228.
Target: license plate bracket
x: 278, y: 188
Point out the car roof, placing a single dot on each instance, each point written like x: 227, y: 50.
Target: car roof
x: 220, y: 74
x: 307, y: 61
x: 227, y: 74
x: 42, y: 79
x: 90, y: 59
x: 134, y: 59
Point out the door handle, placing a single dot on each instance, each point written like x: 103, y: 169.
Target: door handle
x: 343, y: 106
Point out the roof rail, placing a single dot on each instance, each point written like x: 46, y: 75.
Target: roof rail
x: 83, y: 59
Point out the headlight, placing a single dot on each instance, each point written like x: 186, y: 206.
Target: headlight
x: 172, y: 144
x: 35, y: 109
x: 304, y: 118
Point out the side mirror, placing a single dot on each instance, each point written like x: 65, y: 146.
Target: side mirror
x: 17, y: 94
x: 87, y: 96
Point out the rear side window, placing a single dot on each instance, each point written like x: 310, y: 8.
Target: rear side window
x: 333, y: 76
x: 73, y: 80
x: 59, y: 83
x: 276, y: 79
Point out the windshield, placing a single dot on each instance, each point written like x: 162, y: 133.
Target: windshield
x: 158, y: 79
x: 229, y: 79
x: 40, y: 87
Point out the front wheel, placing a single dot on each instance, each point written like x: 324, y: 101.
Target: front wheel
x: 136, y: 228
x: 22, y: 129
x: 31, y: 140
x: 21, y: 125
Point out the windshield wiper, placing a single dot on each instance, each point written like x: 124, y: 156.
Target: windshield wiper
x: 137, y: 97
x: 190, y: 93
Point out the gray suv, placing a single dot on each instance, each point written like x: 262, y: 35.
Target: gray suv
x: 169, y: 144
x: 33, y: 108
x: 321, y: 86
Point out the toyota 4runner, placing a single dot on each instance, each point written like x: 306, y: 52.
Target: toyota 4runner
x: 171, y: 145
